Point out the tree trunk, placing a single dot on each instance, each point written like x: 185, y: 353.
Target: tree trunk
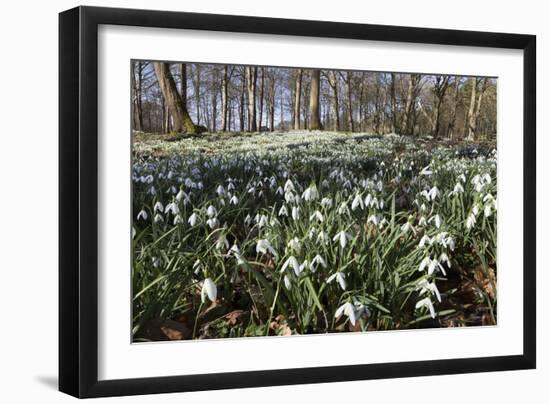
x: 183, y: 84
x: 241, y: 105
x: 297, y: 97
x: 333, y: 82
x: 198, y: 91
x: 452, y: 121
x: 224, y: 98
x: 350, y: 107
x: 182, y: 120
x: 393, y: 103
x: 314, y: 90
x: 261, y: 100
x: 470, y: 120
x: 251, y: 75
x: 408, y: 105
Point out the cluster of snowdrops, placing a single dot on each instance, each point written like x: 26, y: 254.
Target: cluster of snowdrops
x: 308, y: 232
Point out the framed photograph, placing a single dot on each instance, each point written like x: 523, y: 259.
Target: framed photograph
x: 251, y: 201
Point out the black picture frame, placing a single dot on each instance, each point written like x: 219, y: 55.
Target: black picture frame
x: 78, y: 200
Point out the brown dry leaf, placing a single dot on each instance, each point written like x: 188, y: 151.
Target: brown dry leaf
x: 486, y: 280
x: 234, y: 317
x: 166, y: 330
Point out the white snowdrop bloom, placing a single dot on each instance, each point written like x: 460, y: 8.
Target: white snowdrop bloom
x: 340, y: 278
x: 158, y: 218
x: 325, y: 183
x: 462, y: 177
x: 323, y: 237
x: 263, y: 246
x: 374, y: 219
x: 342, y: 237
x: 343, y: 209
x: 424, y: 286
x: 425, y: 240
x: 247, y: 219
x: 487, y: 210
x: 222, y: 242
x: 470, y: 221
x: 172, y: 190
x: 178, y: 219
x: 293, y: 263
x: 261, y: 220
x: 406, y: 227
x: 230, y: 186
x: 283, y: 211
x: 289, y: 186
x: 212, y: 222
x: 251, y: 190
x: 422, y: 221
x: 311, y: 193
x: 424, y: 263
x: 197, y: 267
x: 133, y: 232
x: 142, y: 215
x: 279, y: 191
x: 475, y: 210
x: 458, y: 189
x: 158, y: 207
x: 234, y: 200
x: 326, y: 202
x: 189, y: 183
x: 181, y: 195
x: 368, y: 200
x: 426, y: 302
x: 317, y: 216
x: 288, y: 284
x: 295, y: 244
x: 445, y: 258
x: 172, y: 208
x: 220, y: 190
x: 208, y: 289
x: 357, y: 202
x: 290, y: 197
x: 317, y: 260
x: 193, y: 219
x: 303, y: 266
x: 437, y: 220
x: 426, y: 170
x: 199, y: 185
x: 434, y: 193
x: 211, y: 211
x: 348, y: 310
x: 295, y: 212
x: 486, y: 178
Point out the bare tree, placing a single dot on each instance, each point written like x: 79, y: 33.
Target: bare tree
x: 251, y: 77
x: 297, y: 97
x: 174, y: 102
x: 333, y: 82
x: 314, y: 90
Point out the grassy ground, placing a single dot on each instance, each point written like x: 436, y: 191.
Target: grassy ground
x: 310, y: 232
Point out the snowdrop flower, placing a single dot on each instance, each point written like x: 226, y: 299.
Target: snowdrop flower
x: 318, y: 216
x: 437, y: 221
x: 374, y: 219
x: 424, y: 286
x: 426, y: 302
x: 425, y: 240
x: 348, y: 310
x: 293, y: 263
x: 158, y: 207
x: 220, y: 190
x: 222, y: 242
x: 434, y: 193
x: 158, y: 218
x: 197, y: 267
x: 424, y: 263
x: 211, y: 211
x: 405, y: 228
x: 288, y: 284
x: 193, y: 219
x: 487, y: 210
x: 212, y: 222
x: 234, y: 200
x: 475, y: 210
x: 343, y: 209
x: 470, y: 221
x: 295, y: 212
x: 340, y: 278
x: 326, y: 203
x: 289, y: 186
x: 311, y: 193
x: 323, y: 237
x: 208, y: 289
x: 342, y: 237
x: 263, y: 246
x: 283, y: 211
x: 422, y: 221
x: 317, y: 260
x: 178, y: 219
x: 142, y: 215
x: 247, y: 220
x: 261, y: 220
x: 357, y: 203
x: 426, y: 170
x: 295, y: 245
x: 172, y: 207
x: 458, y: 189
x: 445, y: 258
